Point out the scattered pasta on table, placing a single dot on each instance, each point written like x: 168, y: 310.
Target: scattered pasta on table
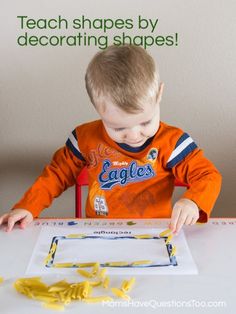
x: 60, y: 294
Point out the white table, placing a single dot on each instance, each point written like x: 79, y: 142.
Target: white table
x: 212, y: 246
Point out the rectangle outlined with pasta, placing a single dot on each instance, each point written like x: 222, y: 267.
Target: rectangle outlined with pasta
x: 73, y: 245
x: 146, y: 252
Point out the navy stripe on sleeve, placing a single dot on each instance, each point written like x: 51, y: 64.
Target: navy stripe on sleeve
x: 72, y: 144
x: 184, y: 146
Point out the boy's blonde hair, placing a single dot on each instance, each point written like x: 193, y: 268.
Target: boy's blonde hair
x: 126, y: 75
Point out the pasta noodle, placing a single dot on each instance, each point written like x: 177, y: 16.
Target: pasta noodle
x: 120, y: 294
x: 106, y: 282
x: 169, y: 239
x: 95, y: 283
x: 95, y: 269
x: 143, y: 236
x: 85, y: 273
x: 142, y: 262
x: 81, y: 265
x: 102, y: 273
x: 85, y: 291
x: 117, y: 263
x: 76, y: 235
x: 165, y: 233
x: 127, y: 285
x: 47, y: 259
x: 173, y: 252
x: 123, y: 285
x: 58, y: 286
x: 79, y: 293
x: 63, y: 265
x: 53, y: 248
x: 51, y: 252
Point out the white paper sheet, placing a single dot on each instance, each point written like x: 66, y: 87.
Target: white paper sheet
x: 110, y: 245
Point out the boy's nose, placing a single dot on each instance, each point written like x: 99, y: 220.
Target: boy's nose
x: 133, y: 135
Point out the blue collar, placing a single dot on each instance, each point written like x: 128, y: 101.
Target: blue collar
x: 135, y: 149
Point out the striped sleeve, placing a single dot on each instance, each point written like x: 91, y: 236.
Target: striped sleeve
x: 72, y: 144
x: 184, y: 146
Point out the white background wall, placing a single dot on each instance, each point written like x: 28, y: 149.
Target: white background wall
x: 43, y: 97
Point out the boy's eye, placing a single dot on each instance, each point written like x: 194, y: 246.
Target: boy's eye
x: 118, y: 129
x: 146, y: 123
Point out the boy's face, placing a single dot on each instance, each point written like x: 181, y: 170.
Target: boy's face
x: 131, y: 129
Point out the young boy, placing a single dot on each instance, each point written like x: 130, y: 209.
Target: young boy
x: 132, y: 157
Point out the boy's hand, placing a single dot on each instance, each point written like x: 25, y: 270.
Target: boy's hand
x: 22, y: 215
x: 185, y: 212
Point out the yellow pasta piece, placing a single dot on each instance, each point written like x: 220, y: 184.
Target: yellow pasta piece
x: 24, y: 291
x: 74, y: 293
x: 102, y: 273
x: 95, y: 269
x: 90, y: 290
x: 68, y: 295
x: 169, y: 238
x: 173, y: 251
x: 141, y: 262
x: 85, y: 264
x: 78, y: 293
x: 33, y: 282
x: 85, y: 273
x: 54, y: 306
x: 60, y: 283
x: 106, y: 282
x: 53, y: 248
x: 19, y: 288
x: 80, y: 235
x: 98, y: 299
x: 62, y: 296
x: 119, y: 293
x: 47, y: 259
x: 95, y: 283
x: 58, y: 286
x: 85, y: 291
x: 165, y: 233
x: 123, y: 285
x: 117, y: 263
x: 128, y: 285
x: 65, y: 296
x: 1, y: 279
x: 63, y: 265
x: 143, y: 236
x: 67, y: 301
x: 77, y: 284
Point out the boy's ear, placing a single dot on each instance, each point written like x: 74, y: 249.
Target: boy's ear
x: 160, y: 92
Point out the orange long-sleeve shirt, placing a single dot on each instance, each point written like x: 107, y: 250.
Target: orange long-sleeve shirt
x: 127, y: 182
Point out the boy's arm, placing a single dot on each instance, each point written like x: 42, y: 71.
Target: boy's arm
x: 204, y: 181
x: 56, y: 177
